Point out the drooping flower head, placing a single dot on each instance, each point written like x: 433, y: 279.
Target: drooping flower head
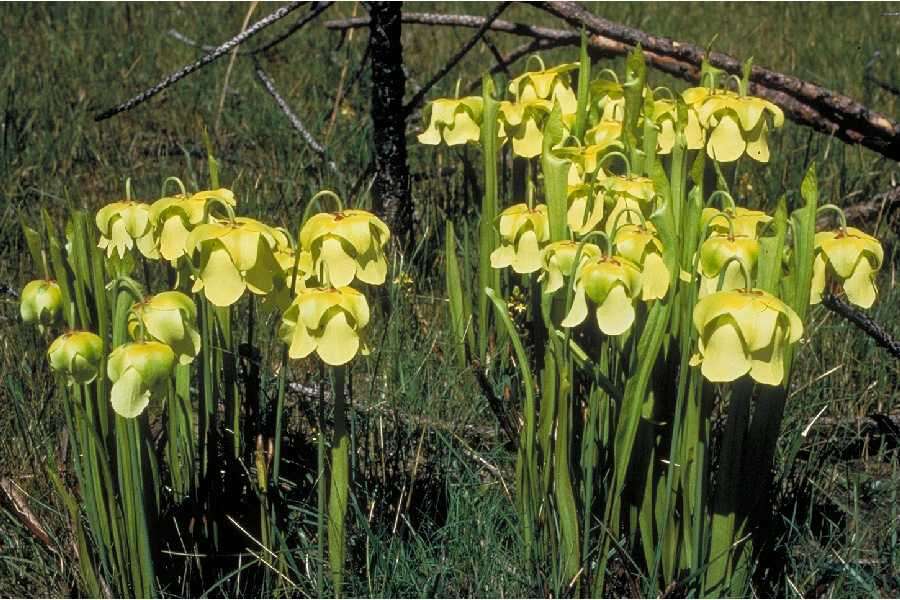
x: 612, y: 283
x: 551, y: 84
x: 627, y: 193
x: 76, y: 355
x: 233, y: 256
x: 743, y: 221
x: 665, y: 115
x: 639, y: 244
x: 724, y: 251
x: 139, y: 371
x: 558, y: 259
x: 609, y: 98
x: 453, y: 121
x: 523, y: 231
x: 522, y: 122
x: 41, y: 302
x: 744, y: 331
x: 173, y: 218
x: 586, y: 208
x: 124, y: 225
x: 170, y: 318
x: 328, y: 321
x: 850, y: 258
x: 346, y: 245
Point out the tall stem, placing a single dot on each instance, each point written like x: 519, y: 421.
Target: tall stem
x: 340, y: 482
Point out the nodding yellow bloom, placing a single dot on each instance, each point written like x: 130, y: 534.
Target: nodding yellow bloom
x: 123, y: 225
x: 139, y: 371
x: 281, y: 295
x: 716, y: 251
x: 611, y: 282
x: 41, y: 303
x: 639, y: 244
x: 345, y: 245
x: 628, y: 193
x: 522, y: 233
x: 665, y: 115
x: 522, y: 122
x: 604, y: 133
x: 174, y: 217
x: 234, y: 256
x: 586, y: 207
x: 453, y: 121
x: 744, y: 331
x: 329, y: 321
x: 170, y: 318
x: 77, y: 355
x: 610, y: 99
x: 550, y: 84
x: 558, y: 258
x: 744, y: 221
x: 737, y: 124
x: 850, y: 258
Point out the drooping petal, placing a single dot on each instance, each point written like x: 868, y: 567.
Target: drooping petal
x: 860, y: 286
x: 222, y: 282
x: 128, y: 395
x: 654, y: 278
x: 502, y: 257
x: 528, y: 253
x: 578, y: 312
x: 529, y: 140
x: 616, y: 313
x: 172, y: 238
x: 463, y: 129
x: 338, y: 342
x: 726, y: 143
x: 340, y: 268
x: 767, y: 364
x: 302, y: 344
x: 724, y: 356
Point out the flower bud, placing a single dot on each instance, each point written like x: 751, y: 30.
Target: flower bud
x: 455, y: 121
x: 139, y: 371
x: 41, y: 302
x: 77, y: 355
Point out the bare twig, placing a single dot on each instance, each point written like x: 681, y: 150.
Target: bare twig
x: 454, y: 60
x: 202, y: 62
x: 317, y: 10
x: 863, y: 322
x: 315, y: 146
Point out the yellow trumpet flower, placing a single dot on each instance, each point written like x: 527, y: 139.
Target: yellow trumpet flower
x: 174, y: 217
x: 557, y: 260
x: 328, y: 321
x: 610, y: 99
x: 851, y: 258
x: 716, y: 252
x: 77, y: 355
x: 665, y: 115
x: 744, y: 221
x: 123, y: 225
x: 639, y: 244
x: 170, y: 318
x: 234, y: 256
x: 41, y: 303
x: 744, y: 331
x: 345, y: 245
x: 139, y: 371
x: 611, y: 282
x: 454, y: 121
x: 547, y: 84
x: 522, y: 121
x: 522, y: 233
x: 586, y: 207
x: 628, y: 193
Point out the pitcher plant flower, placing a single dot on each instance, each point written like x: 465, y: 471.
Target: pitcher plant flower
x: 173, y: 218
x: 744, y: 331
x: 76, y: 355
x: 454, y: 121
x: 612, y: 283
x: 743, y: 221
x: 523, y: 231
x: 41, y: 303
x: 346, y: 245
x: 521, y: 122
x: 124, y: 225
x: 171, y: 318
x: 139, y: 371
x: 665, y: 115
x: 547, y: 84
x: 558, y: 259
x: 850, y: 258
x: 639, y: 244
x: 723, y: 251
x: 328, y: 321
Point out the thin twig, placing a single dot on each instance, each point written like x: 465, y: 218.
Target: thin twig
x: 420, y: 95
x: 316, y: 147
x: 317, y: 10
x: 202, y: 62
x: 863, y: 322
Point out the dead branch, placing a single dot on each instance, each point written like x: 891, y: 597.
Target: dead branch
x: 883, y: 205
x: 317, y: 9
x: 315, y: 146
x: 202, y: 62
x: 864, y: 323
x: 19, y: 503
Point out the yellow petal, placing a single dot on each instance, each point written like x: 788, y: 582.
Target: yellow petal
x: 302, y: 344
x: 528, y: 254
x: 430, y: 136
x: 767, y: 364
x: 860, y: 286
x: 724, y: 357
x: 372, y: 267
x: 462, y: 130
x: 726, y: 143
x: 579, y: 310
x: 222, y: 282
x: 616, y: 313
x: 340, y: 268
x: 128, y: 395
x: 757, y: 145
x: 173, y: 237
x: 655, y: 278
x: 529, y: 141
x: 338, y: 342
x: 818, y: 280
x: 502, y: 257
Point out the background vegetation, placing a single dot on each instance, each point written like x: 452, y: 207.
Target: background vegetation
x: 432, y: 514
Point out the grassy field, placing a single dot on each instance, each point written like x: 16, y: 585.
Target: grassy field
x: 433, y: 515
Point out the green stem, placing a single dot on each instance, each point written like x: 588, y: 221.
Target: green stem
x: 340, y: 482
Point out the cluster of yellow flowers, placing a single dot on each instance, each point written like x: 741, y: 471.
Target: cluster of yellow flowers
x: 225, y: 256
x: 741, y: 329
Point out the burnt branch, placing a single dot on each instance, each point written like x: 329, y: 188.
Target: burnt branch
x: 864, y: 323
x: 183, y: 72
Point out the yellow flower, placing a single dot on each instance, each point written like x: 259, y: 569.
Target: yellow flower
x: 639, y: 244
x: 611, y: 282
x: 281, y: 296
x: 549, y: 84
x: 557, y: 260
x: 170, y: 318
x: 744, y: 331
x: 604, y: 133
x: 716, y: 252
x: 610, y: 99
x: 345, y: 245
x: 665, y: 115
x: 174, y: 217
x: 139, y: 371
x: 522, y: 233
x: 852, y: 258
x: 41, y: 302
x: 77, y: 355
x: 585, y: 209
x: 329, y: 321
x: 234, y: 256
x: 455, y: 121
x: 522, y: 122
x: 737, y: 124
x: 744, y: 221
x: 123, y: 225
x: 628, y: 193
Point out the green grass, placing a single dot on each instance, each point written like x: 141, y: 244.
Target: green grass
x: 432, y: 514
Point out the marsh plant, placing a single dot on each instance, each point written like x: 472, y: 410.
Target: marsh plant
x: 661, y: 319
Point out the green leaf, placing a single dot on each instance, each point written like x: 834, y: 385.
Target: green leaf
x: 584, y: 88
x: 556, y: 172
x: 769, y: 265
x: 458, y: 316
